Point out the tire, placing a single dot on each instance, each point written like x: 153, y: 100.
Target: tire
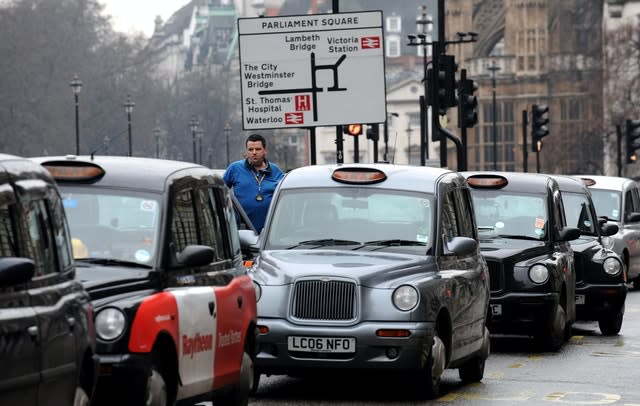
x: 239, y: 394
x: 473, y: 370
x: 611, y: 324
x: 256, y: 383
x: 552, y: 338
x: 428, y: 381
x: 156, y: 394
x: 80, y: 398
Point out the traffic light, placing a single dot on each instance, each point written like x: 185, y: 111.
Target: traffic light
x: 467, y: 103
x: 445, y: 83
x: 373, y: 132
x: 352, y: 129
x: 633, y: 133
x: 539, y: 120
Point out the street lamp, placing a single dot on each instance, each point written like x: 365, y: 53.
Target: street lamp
x: 156, y: 136
x: 76, y: 86
x: 128, y: 108
x: 227, y: 132
x: 193, y: 125
x: 493, y: 68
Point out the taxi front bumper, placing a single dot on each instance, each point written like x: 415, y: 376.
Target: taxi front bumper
x: 370, y: 350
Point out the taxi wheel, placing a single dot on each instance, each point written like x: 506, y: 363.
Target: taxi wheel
x: 428, y: 383
x: 80, y: 398
x: 611, y: 324
x: 239, y: 394
x: 552, y: 338
x: 156, y: 388
x: 473, y: 370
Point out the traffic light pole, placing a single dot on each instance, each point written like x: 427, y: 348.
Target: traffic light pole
x: 619, y: 142
x: 525, y: 145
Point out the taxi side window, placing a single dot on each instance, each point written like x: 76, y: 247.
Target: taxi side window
x: 184, y: 230
x: 61, y: 232
x: 209, y: 221
x: 628, y: 204
x: 449, y: 218
x: 467, y: 227
x: 8, y: 241
x: 42, y: 245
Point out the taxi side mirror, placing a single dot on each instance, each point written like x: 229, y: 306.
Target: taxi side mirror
x: 14, y: 270
x: 608, y: 229
x: 460, y: 246
x: 195, y: 256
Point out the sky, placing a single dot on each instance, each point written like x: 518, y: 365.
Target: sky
x: 138, y: 15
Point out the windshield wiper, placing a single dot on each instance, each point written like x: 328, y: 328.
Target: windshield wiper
x: 112, y: 261
x: 325, y: 242
x: 394, y: 242
x: 518, y: 237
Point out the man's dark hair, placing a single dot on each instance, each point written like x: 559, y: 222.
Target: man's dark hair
x: 256, y: 137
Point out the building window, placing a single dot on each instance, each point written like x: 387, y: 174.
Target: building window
x: 393, y: 46
x: 394, y: 24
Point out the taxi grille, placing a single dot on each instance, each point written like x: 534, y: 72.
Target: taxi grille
x: 496, y: 276
x: 324, y: 300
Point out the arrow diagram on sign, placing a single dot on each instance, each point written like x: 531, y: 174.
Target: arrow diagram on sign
x: 314, y: 89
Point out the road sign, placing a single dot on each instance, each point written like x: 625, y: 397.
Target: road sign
x: 312, y: 70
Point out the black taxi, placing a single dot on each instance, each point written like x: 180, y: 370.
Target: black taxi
x: 525, y: 240
x: 372, y: 267
x: 158, y: 251
x: 47, y: 339
x: 600, y: 286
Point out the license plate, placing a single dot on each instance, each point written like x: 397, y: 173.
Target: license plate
x: 322, y: 344
x: 580, y: 299
x: 496, y: 309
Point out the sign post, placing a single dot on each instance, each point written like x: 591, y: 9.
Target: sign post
x: 312, y: 70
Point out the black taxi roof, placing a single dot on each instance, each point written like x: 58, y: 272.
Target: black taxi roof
x: 401, y: 177
x: 520, y: 182
x: 570, y: 184
x: 134, y: 172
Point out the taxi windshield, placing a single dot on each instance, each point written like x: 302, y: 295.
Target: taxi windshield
x: 351, y: 218
x: 117, y: 225
x: 607, y: 203
x: 509, y: 215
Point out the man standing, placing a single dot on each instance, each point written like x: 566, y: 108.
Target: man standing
x: 254, y: 179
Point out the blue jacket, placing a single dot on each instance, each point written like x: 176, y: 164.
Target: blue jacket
x: 253, y: 190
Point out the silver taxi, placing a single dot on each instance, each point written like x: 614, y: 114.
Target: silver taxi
x: 372, y: 267
x: 618, y: 200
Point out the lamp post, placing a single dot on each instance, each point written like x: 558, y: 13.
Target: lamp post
x: 422, y: 40
x: 76, y: 86
x: 200, y: 136
x: 156, y: 136
x: 493, y: 68
x: 193, y: 125
x: 386, y: 135
x: 409, y: 130
x: 227, y: 132
x: 128, y: 108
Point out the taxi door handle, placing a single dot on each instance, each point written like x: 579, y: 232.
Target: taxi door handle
x: 212, y: 308
x: 34, y: 332
x: 71, y: 321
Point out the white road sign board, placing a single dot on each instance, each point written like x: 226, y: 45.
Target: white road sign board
x: 312, y: 70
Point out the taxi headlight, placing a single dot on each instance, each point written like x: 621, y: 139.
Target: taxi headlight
x: 607, y: 242
x: 110, y: 323
x: 258, y: 290
x: 538, y: 274
x: 405, y: 297
x: 612, y: 266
